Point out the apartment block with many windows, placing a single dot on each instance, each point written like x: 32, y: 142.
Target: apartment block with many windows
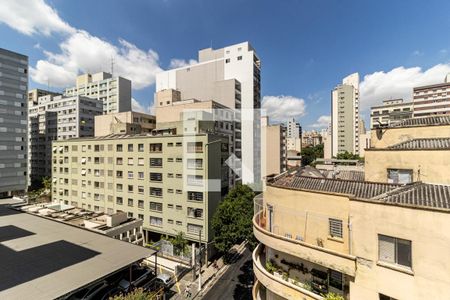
x: 172, y: 182
x: 13, y: 122
x: 114, y: 92
x: 432, y: 99
x: 128, y: 122
x: 53, y: 118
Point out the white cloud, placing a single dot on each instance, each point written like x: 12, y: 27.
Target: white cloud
x: 179, y: 63
x: 32, y: 17
x: 322, y: 122
x: 137, y: 106
x: 397, y: 83
x: 81, y: 52
x: 281, y: 108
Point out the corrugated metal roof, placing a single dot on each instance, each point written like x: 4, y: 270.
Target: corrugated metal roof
x: 425, y: 121
x: 344, y: 175
x: 426, y: 143
x: 359, y: 189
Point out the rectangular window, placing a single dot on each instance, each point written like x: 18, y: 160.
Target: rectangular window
x: 195, y: 196
x: 179, y: 223
x: 130, y: 174
x: 156, y: 192
x: 394, y: 250
x: 130, y: 161
x: 195, y: 147
x: 155, y: 221
x: 196, y: 164
x: 156, y: 206
x: 140, y: 189
x: 119, y: 174
x: 119, y: 148
x: 119, y: 200
x: 179, y: 207
x: 130, y: 147
x: 119, y: 161
x: 196, y: 180
x: 195, y: 212
x: 156, y: 162
x: 141, y: 216
x: 170, y: 221
x: 156, y: 147
x: 141, y: 175
x: 130, y: 188
x: 401, y: 176
x: 335, y: 228
x: 141, y: 204
x: 193, y: 228
x: 141, y: 147
x: 155, y: 177
x: 130, y: 202
x: 140, y: 161
x: 119, y: 187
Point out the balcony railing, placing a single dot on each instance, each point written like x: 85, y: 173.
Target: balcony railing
x: 305, y: 240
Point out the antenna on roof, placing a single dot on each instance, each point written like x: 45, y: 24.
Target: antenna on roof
x: 112, y: 66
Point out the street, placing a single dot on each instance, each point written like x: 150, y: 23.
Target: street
x: 237, y: 281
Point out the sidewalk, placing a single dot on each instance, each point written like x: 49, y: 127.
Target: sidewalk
x: 210, y: 275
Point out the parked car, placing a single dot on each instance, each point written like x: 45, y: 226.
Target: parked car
x: 164, y: 279
x: 139, y: 276
x: 89, y: 292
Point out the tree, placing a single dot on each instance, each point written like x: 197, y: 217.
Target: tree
x: 232, y: 222
x: 180, y: 244
x: 310, y: 154
x: 333, y: 296
x: 138, y: 294
x: 347, y: 155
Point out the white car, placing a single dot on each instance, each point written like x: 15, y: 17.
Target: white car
x: 165, y: 279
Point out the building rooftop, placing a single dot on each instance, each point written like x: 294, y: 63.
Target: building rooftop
x: 425, y: 121
x: 416, y: 195
x: 422, y: 144
x: 44, y: 259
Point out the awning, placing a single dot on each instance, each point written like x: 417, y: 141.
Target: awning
x: 83, y: 172
x: 61, y: 149
x: 83, y: 160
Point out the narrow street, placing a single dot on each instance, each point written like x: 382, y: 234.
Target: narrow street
x: 237, y: 281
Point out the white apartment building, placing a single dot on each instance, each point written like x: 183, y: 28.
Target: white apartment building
x: 13, y: 122
x: 392, y: 111
x: 432, y: 99
x: 345, y: 116
x: 293, y: 135
x: 56, y: 118
x: 230, y: 76
x: 114, y: 92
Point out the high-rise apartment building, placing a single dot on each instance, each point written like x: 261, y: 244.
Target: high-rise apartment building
x: 273, y: 148
x: 231, y: 77
x: 128, y: 122
x: 173, y: 182
x: 56, y: 118
x: 293, y: 135
x: 392, y: 111
x: 13, y: 122
x: 114, y: 92
x: 345, y: 116
x: 432, y: 99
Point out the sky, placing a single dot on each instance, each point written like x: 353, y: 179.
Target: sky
x: 306, y: 46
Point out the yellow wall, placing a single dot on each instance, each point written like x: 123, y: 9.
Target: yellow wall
x: 433, y: 165
x: 392, y: 136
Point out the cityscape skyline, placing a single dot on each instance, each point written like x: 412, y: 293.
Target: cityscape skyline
x: 384, y: 74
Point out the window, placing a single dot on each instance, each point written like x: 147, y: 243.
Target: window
x: 196, y: 180
x: 195, y: 196
x: 335, y: 228
x: 130, y: 161
x: 169, y: 175
x: 195, y: 212
x: 141, y: 204
x: 130, y: 147
x: 119, y: 200
x: 140, y: 189
x: 227, y: 60
x: 156, y: 192
x: 394, y: 250
x: 193, y: 228
x: 239, y: 57
x: 130, y: 214
x: 179, y: 159
x: 156, y: 206
x: 169, y: 205
x: 400, y: 175
x: 179, y: 223
x: 119, y: 148
x: 130, y: 202
x: 170, y: 159
x: 119, y: 161
x: 119, y: 187
x: 140, y: 161
x: 119, y: 174
x: 141, y: 216
x: 141, y: 147
x: 155, y: 147
x: 130, y: 188
x: 196, y: 163
x: 155, y: 221
x: 179, y: 207
x: 195, y: 147
x: 156, y: 162
x: 140, y: 175
x: 336, y: 280
x: 155, y: 177
x: 130, y: 174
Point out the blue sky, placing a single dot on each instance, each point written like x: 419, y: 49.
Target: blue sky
x: 306, y: 47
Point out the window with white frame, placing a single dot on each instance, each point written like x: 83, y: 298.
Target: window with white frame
x: 394, y: 250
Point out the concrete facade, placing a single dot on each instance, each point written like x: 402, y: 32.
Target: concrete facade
x: 274, y: 148
x: 172, y: 182
x: 345, y: 116
x: 56, y: 118
x: 129, y: 122
x: 114, y: 92
x: 392, y: 111
x: 13, y: 122
x: 231, y: 77
x: 432, y: 99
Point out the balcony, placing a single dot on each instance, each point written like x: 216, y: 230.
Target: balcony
x: 285, y: 288
x: 293, y: 243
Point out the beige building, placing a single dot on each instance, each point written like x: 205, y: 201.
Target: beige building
x: 392, y: 111
x: 345, y: 116
x: 416, y: 149
x: 311, y: 138
x: 273, y: 148
x: 172, y: 182
x: 432, y: 99
x: 129, y: 122
x: 360, y: 240
x: 230, y: 76
x: 114, y: 92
